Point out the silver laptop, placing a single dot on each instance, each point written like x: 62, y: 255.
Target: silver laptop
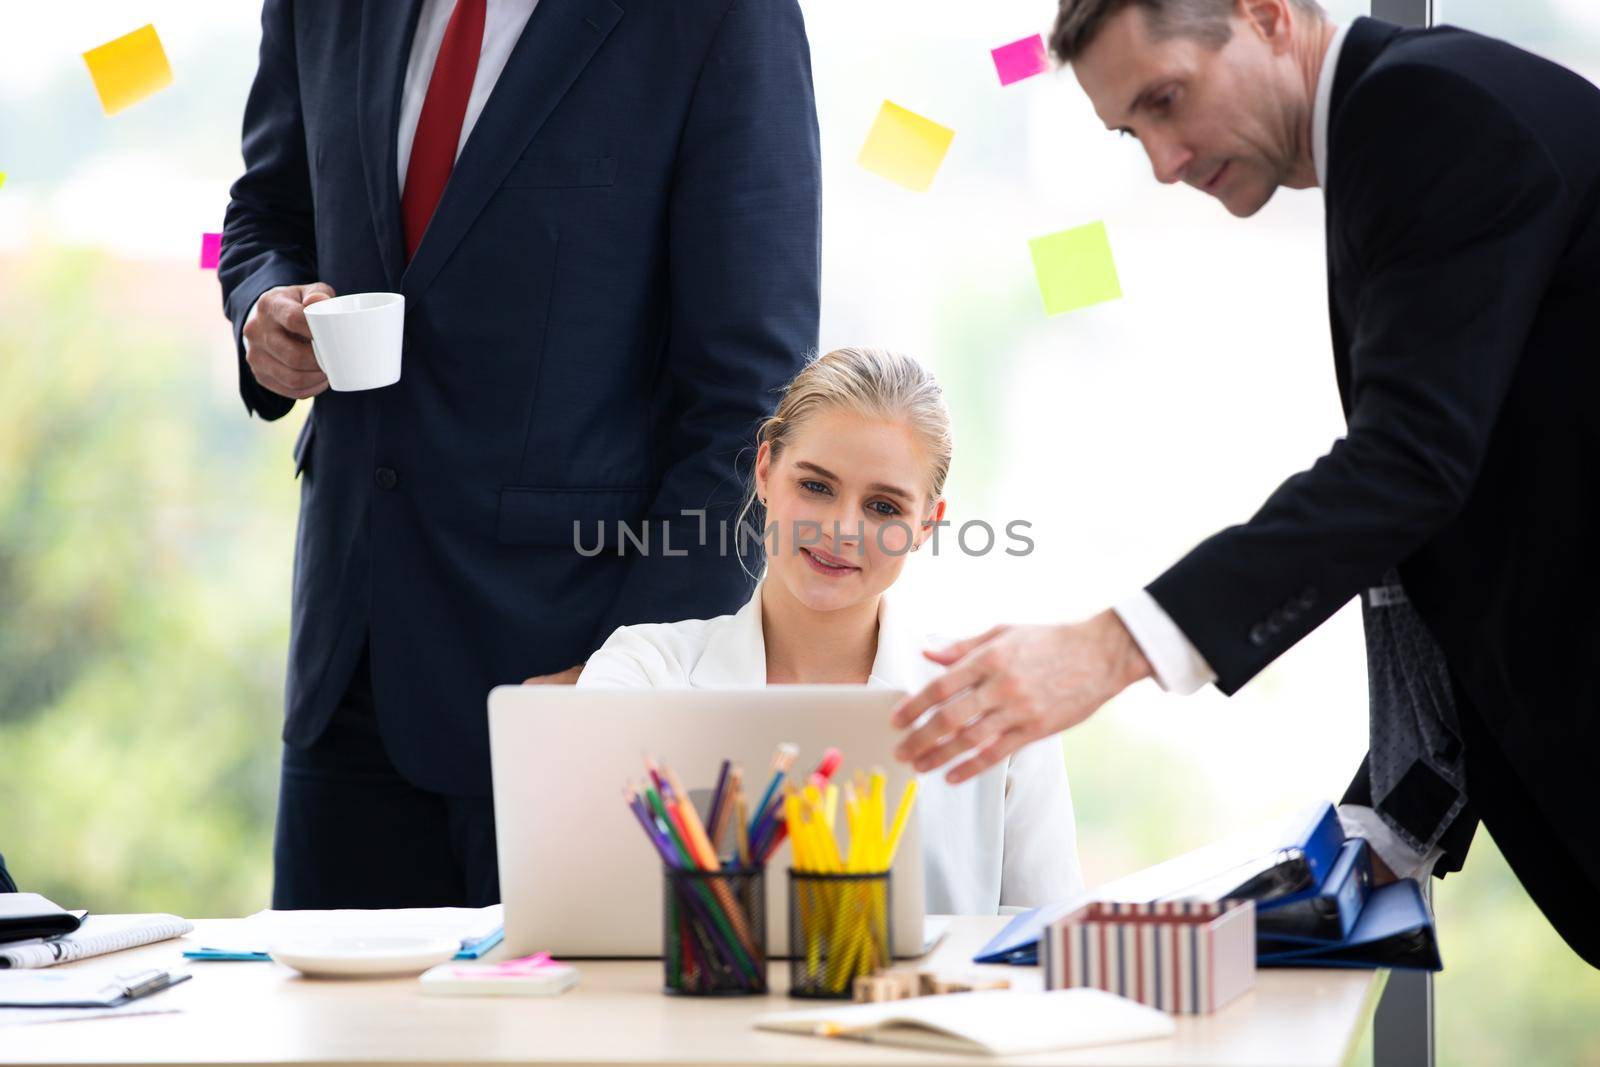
x: 577, y: 874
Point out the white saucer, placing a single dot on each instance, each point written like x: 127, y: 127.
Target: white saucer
x: 332, y: 956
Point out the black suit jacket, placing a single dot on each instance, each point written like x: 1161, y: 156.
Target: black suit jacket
x: 1464, y: 274
x: 622, y: 271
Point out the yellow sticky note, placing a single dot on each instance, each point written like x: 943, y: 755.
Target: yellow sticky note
x: 2, y: 179
x: 1074, y: 268
x: 128, y: 69
x: 905, y: 147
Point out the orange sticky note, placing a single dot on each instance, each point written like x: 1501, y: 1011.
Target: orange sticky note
x: 905, y: 147
x: 128, y: 69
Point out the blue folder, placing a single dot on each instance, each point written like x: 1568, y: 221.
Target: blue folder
x: 1325, y: 914
x: 1287, y: 860
x: 1394, y: 929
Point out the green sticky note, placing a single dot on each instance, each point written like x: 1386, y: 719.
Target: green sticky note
x: 905, y: 147
x: 1074, y: 268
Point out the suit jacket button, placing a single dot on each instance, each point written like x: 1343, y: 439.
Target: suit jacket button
x: 385, y: 477
x: 1308, y: 597
x: 1258, y: 635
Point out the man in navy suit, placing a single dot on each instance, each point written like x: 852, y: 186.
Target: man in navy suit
x: 604, y: 216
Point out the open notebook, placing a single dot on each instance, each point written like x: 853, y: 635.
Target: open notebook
x: 998, y: 1022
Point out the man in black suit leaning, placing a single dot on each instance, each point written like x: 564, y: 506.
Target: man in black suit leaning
x: 1462, y: 181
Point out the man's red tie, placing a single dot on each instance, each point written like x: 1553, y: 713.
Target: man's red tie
x: 433, y: 150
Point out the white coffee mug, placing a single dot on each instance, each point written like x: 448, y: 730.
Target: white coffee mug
x: 357, y: 338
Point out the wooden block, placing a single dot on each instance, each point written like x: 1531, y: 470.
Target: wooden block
x: 885, y: 986
x: 906, y: 985
x: 869, y: 990
x: 941, y: 985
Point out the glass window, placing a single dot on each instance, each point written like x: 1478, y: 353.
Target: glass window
x: 1567, y: 31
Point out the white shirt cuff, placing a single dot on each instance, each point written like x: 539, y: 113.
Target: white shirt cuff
x: 1178, y: 665
x: 1405, y: 861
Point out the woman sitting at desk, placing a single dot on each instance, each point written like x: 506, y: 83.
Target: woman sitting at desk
x: 850, y: 470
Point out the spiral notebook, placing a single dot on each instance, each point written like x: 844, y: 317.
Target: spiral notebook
x: 97, y: 936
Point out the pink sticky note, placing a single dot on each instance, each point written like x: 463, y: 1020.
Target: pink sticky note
x: 210, y: 250
x: 527, y: 965
x: 1020, y: 59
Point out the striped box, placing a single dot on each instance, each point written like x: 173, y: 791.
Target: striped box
x: 1188, y: 957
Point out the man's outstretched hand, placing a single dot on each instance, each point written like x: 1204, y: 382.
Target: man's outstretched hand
x: 1014, y: 685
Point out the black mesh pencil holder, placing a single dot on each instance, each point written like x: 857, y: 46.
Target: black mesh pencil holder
x: 840, y: 926
x: 714, y: 935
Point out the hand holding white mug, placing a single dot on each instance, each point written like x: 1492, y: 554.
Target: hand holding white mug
x: 278, y: 341
x: 1014, y: 685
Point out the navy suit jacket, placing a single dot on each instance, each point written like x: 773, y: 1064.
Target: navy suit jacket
x: 1463, y: 197
x: 622, y: 272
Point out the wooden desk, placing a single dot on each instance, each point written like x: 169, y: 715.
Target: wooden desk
x: 262, y: 1013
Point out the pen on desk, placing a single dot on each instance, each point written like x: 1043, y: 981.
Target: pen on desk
x: 147, y: 982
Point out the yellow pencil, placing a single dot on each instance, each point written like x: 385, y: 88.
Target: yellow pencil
x: 797, y: 840
x: 907, y: 798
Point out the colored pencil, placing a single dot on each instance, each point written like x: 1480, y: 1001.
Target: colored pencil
x: 902, y: 813
x: 719, y: 825
x: 782, y: 759
x: 718, y: 799
x: 698, y: 903
x: 740, y: 835
x: 825, y: 769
